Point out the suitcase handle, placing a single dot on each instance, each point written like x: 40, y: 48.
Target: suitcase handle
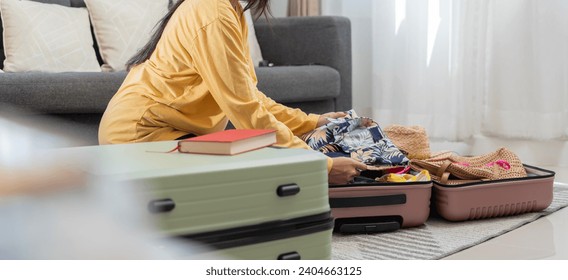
x: 366, y: 201
x: 288, y: 190
x: 161, y: 206
x: 370, y: 227
x: 290, y: 256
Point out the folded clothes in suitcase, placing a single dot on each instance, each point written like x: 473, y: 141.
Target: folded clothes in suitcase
x: 495, y: 198
x: 368, y: 206
x: 265, y: 204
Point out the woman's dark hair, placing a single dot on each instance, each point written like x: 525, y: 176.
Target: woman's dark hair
x: 259, y: 7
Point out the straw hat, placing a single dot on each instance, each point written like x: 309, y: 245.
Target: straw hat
x: 411, y: 140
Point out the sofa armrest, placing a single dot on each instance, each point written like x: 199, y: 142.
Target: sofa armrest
x: 323, y: 40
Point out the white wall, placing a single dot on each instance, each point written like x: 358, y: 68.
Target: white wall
x: 359, y: 12
x: 279, y: 8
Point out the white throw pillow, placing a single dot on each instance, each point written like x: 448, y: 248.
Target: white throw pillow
x: 47, y: 38
x: 255, y: 52
x: 122, y: 27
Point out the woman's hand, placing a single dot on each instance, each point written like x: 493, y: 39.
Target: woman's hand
x: 323, y: 119
x: 344, y: 170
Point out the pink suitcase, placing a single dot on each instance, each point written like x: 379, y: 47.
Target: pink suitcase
x: 371, y: 207
x: 497, y: 198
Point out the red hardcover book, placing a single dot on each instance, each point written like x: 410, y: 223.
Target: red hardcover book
x: 228, y: 142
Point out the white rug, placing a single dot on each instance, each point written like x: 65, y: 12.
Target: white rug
x: 437, y: 239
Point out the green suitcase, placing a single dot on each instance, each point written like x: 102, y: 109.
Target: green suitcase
x: 266, y: 204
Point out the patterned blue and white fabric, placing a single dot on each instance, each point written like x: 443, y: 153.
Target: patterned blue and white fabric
x: 356, y: 137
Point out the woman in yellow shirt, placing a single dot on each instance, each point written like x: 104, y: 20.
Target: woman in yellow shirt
x: 194, y: 75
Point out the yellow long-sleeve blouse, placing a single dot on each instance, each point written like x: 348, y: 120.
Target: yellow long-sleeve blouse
x: 199, y: 77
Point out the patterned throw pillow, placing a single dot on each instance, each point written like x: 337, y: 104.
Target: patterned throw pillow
x: 47, y: 38
x: 122, y: 27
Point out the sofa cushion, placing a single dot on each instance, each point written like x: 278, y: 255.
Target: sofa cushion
x: 81, y: 4
x: 46, y: 37
x: 60, y: 93
x: 301, y: 83
x: 123, y: 27
x: 59, y: 2
x: 63, y: 93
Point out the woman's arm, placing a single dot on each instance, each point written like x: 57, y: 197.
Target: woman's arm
x: 295, y: 119
x: 220, y: 57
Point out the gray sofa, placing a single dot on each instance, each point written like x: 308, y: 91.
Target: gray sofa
x: 312, y: 58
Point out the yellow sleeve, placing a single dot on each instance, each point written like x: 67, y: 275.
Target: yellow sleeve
x: 299, y: 122
x: 219, y: 56
x: 295, y: 119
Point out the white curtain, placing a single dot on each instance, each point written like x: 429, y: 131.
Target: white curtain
x: 528, y: 83
x: 467, y: 67
x: 304, y: 8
